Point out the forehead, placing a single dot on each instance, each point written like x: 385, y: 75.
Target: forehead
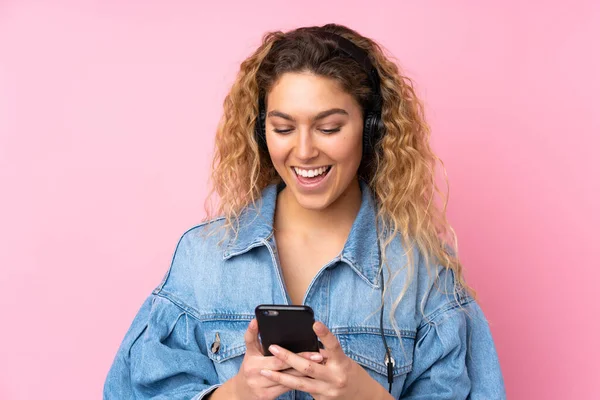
x: 309, y: 93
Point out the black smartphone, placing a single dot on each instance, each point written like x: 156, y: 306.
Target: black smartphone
x: 287, y: 326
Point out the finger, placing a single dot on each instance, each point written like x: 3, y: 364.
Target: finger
x: 331, y: 343
x: 273, y: 363
x: 292, y: 371
x: 288, y: 370
x: 251, y: 339
x: 302, y: 383
x: 307, y: 367
x: 265, y: 383
x: 311, y: 355
x: 322, y: 352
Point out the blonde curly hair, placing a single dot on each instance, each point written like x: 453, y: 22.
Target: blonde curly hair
x: 403, y: 177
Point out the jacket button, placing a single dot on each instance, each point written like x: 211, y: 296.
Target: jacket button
x: 216, y: 345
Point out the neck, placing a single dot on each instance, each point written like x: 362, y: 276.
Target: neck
x: 336, y: 219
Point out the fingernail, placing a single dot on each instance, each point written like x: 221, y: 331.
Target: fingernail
x: 265, y: 372
x: 273, y: 349
x: 316, y: 357
x: 318, y: 327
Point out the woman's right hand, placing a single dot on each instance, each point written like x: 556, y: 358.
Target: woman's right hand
x: 249, y: 384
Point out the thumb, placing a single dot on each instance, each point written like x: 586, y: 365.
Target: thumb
x: 251, y: 339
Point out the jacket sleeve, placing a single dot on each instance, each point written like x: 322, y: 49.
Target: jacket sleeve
x: 455, y: 357
x: 161, y: 357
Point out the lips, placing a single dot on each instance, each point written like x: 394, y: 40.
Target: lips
x: 314, y: 182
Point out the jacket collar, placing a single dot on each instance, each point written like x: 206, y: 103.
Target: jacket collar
x: 360, y: 251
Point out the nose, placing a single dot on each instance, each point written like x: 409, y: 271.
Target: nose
x: 305, y: 146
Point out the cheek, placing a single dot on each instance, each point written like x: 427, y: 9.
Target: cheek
x: 348, y: 149
x: 278, y: 153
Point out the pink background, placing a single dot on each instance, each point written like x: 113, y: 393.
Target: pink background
x: 107, y: 116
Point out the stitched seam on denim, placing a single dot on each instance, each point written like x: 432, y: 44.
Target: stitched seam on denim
x: 221, y: 316
x: 232, y: 249
x: 402, y: 362
x: 228, y: 254
x: 173, y: 299
x: 187, y: 328
x: 380, y: 368
x: 327, y: 284
x: 442, y: 310
x: 278, y: 271
x: 244, y: 250
x: 318, y: 276
x: 352, y: 265
x: 228, y: 353
x: 378, y: 365
x: 406, y: 333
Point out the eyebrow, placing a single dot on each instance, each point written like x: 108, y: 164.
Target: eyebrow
x: 320, y: 115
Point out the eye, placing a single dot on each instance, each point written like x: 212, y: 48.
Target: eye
x: 325, y: 131
x: 282, y: 131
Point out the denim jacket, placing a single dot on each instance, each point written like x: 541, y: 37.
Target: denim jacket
x: 188, y: 336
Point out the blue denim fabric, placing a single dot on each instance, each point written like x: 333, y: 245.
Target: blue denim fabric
x: 211, y: 289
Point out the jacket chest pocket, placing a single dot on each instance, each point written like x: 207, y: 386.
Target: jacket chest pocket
x: 225, y: 345
x: 366, y: 347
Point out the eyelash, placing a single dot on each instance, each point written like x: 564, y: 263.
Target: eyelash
x: 325, y: 131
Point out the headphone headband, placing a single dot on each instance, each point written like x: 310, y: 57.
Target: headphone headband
x: 360, y: 56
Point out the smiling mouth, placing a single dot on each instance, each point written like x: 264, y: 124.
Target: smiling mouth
x: 311, y: 173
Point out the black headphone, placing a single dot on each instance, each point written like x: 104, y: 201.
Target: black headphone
x: 373, y: 128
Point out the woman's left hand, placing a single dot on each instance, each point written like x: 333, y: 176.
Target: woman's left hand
x: 339, y: 378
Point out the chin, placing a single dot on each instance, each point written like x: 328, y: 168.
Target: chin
x: 313, y: 206
x: 313, y: 202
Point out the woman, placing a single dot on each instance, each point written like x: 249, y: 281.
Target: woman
x: 326, y: 192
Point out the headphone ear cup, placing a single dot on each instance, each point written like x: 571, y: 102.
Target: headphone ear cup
x: 371, y: 133
x: 378, y: 130
x: 367, y: 135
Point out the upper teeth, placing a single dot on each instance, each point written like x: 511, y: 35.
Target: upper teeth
x: 309, y: 173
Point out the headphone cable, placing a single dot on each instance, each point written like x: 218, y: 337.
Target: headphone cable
x: 389, y: 360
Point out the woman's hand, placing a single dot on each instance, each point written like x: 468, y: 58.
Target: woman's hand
x: 249, y: 383
x: 339, y: 378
